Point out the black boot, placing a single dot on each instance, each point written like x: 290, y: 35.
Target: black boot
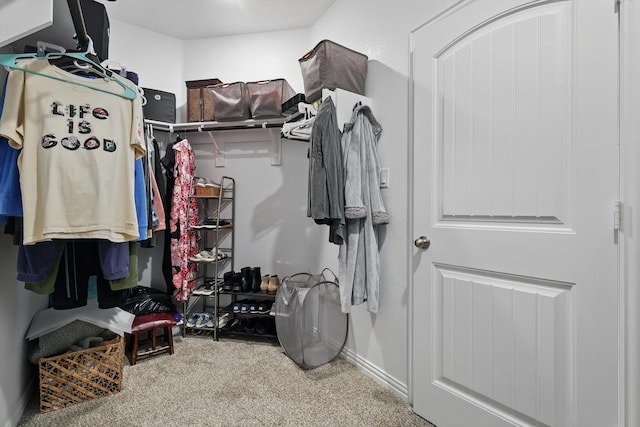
x: 257, y: 279
x: 237, y: 282
x: 227, y: 284
x: 247, y: 279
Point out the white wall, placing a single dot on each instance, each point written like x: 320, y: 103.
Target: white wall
x: 158, y: 59
x: 272, y: 230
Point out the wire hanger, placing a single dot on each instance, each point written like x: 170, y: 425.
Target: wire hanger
x: 11, y: 61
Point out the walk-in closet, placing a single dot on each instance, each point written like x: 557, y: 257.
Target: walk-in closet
x: 319, y: 212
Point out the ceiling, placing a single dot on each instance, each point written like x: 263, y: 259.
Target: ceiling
x: 195, y: 19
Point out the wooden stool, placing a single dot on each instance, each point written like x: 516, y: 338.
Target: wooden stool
x: 149, y: 323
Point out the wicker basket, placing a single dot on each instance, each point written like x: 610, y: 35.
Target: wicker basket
x: 80, y: 376
x: 209, y: 191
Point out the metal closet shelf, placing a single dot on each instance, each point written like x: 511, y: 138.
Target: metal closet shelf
x: 276, y: 122
x: 272, y: 126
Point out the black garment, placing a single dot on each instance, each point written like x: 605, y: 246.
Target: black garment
x: 168, y: 162
x: 79, y: 262
x: 97, y: 23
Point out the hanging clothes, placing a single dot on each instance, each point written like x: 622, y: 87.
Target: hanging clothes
x: 10, y: 194
x: 184, y: 215
x: 358, y: 257
x: 68, y: 267
x: 168, y: 163
x: 326, y: 181
x: 78, y: 146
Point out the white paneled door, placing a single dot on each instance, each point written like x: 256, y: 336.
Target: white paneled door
x: 515, y: 179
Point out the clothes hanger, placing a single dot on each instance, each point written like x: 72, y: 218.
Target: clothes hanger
x: 11, y: 62
x: 112, y: 65
x: 300, y: 129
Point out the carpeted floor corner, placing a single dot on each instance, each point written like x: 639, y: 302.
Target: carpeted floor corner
x: 235, y: 383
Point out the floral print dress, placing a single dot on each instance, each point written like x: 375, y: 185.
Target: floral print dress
x: 184, y: 213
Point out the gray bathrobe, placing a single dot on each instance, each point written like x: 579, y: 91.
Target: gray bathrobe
x: 359, y: 260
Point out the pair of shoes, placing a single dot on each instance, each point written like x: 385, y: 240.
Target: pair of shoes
x: 241, y: 306
x: 270, y: 284
x: 213, y: 223
x: 264, y: 284
x: 191, y: 321
x: 246, y: 306
x: 212, y: 255
x: 264, y: 307
x: 265, y: 326
x: 206, y: 320
x: 200, y: 320
x: 222, y: 320
x: 274, y: 284
x: 204, y: 256
x: 204, y: 183
x: 251, y: 278
x: 235, y: 325
x: 204, y: 289
x: 236, y: 284
x: 227, y: 281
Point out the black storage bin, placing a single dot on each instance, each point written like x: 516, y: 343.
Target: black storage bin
x: 290, y: 106
x: 160, y: 106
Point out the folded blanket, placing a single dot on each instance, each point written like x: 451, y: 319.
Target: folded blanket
x: 73, y: 336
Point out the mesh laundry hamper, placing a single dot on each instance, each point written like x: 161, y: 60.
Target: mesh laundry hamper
x: 311, y: 327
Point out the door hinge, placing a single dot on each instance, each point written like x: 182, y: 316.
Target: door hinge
x: 617, y: 215
x: 616, y: 6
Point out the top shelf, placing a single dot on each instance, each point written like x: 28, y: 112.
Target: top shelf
x: 275, y: 122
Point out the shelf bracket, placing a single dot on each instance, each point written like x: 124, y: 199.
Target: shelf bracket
x: 218, y: 148
x: 276, y: 143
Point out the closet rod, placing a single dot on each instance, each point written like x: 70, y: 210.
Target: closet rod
x: 78, y: 24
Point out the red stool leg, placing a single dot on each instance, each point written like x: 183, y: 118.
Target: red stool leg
x: 169, y: 338
x: 153, y: 338
x: 134, y: 350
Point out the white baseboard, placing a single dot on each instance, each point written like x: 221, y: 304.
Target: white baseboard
x: 377, y: 374
x: 14, y: 419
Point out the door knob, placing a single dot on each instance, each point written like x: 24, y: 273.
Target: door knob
x: 422, y: 242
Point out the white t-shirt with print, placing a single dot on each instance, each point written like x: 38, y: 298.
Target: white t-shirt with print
x: 78, y: 146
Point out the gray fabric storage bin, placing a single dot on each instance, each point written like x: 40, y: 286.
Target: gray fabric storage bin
x: 230, y: 101
x: 332, y: 66
x: 267, y: 96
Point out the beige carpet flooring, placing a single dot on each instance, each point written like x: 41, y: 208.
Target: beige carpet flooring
x: 235, y: 383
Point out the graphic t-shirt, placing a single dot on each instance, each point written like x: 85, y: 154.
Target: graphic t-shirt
x: 78, y: 146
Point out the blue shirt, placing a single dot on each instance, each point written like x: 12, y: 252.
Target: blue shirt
x: 10, y: 194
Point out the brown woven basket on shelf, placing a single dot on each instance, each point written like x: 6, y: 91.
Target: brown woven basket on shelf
x: 80, y: 376
x: 209, y: 191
